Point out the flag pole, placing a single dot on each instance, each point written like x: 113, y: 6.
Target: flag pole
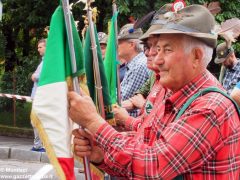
x: 97, y: 78
x: 76, y: 87
x: 114, y: 9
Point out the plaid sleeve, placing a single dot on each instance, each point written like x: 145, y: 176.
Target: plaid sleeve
x: 183, y: 146
x: 133, y: 124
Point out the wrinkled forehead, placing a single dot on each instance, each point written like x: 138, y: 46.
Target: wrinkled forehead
x: 176, y: 39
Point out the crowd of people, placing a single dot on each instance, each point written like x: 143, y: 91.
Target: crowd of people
x: 186, y: 124
x: 178, y: 120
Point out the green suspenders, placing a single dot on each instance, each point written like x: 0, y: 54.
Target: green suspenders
x: 201, y: 93
x: 195, y: 96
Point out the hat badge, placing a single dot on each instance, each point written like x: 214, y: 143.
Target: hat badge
x: 178, y: 5
x: 131, y: 30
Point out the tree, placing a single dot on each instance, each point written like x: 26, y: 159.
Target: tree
x: 21, y: 27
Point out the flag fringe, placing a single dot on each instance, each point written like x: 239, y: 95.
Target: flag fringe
x: 82, y: 83
x: 112, y: 122
x: 49, y: 148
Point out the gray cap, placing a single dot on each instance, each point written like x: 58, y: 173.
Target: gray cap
x: 158, y: 21
x: 128, y: 32
x: 222, y: 53
x: 102, y: 38
x: 195, y: 20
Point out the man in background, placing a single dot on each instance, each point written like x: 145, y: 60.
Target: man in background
x: 189, y: 134
x: 102, y: 38
x: 231, y: 74
x: 131, y: 50
x: 37, y: 143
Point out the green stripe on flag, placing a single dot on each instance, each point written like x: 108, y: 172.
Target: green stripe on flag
x: 90, y: 74
x: 57, y: 61
x: 110, y: 61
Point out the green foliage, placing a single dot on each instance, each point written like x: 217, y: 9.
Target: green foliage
x: 22, y: 115
x: 23, y: 74
x: 2, y: 46
x: 24, y: 22
x: 20, y: 29
x: 20, y: 78
x: 2, y: 54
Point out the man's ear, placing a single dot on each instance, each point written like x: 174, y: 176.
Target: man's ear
x: 197, y: 57
x: 132, y: 44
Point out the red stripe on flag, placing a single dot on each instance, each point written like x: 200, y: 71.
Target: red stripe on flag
x: 67, y: 165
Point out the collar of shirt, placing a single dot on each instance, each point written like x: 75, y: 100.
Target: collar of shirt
x: 134, y: 62
x: 174, y: 101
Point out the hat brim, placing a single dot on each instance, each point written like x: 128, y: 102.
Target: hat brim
x: 102, y: 42
x: 152, y: 28
x: 222, y: 59
x: 209, y: 39
x: 129, y: 37
x: 219, y: 60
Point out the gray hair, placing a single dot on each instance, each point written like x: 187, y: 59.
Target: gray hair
x: 42, y: 41
x: 191, y: 43
x: 138, y: 45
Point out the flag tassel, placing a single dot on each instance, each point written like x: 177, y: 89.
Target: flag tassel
x: 98, y: 85
x: 76, y: 87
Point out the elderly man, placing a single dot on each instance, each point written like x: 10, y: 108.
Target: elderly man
x: 121, y: 115
x: 102, y: 38
x: 146, y: 95
x: 149, y: 41
x: 197, y: 139
x: 231, y: 75
x: 130, y: 49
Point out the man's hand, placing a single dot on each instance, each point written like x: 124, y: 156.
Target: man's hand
x: 84, y: 146
x: 120, y: 114
x: 127, y: 105
x: 138, y: 100
x: 83, y: 112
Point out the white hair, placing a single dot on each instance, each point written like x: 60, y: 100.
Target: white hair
x: 138, y: 45
x: 190, y: 43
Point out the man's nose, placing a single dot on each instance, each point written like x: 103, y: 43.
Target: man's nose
x: 159, y: 58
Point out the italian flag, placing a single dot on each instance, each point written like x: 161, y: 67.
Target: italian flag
x: 50, y: 105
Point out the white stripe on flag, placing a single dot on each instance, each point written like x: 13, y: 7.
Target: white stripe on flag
x: 51, y: 107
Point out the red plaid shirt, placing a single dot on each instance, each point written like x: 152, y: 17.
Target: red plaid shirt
x: 157, y: 92
x: 204, y: 143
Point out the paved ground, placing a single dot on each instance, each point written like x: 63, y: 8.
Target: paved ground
x: 15, y: 169
x: 15, y: 154
x: 12, y: 142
